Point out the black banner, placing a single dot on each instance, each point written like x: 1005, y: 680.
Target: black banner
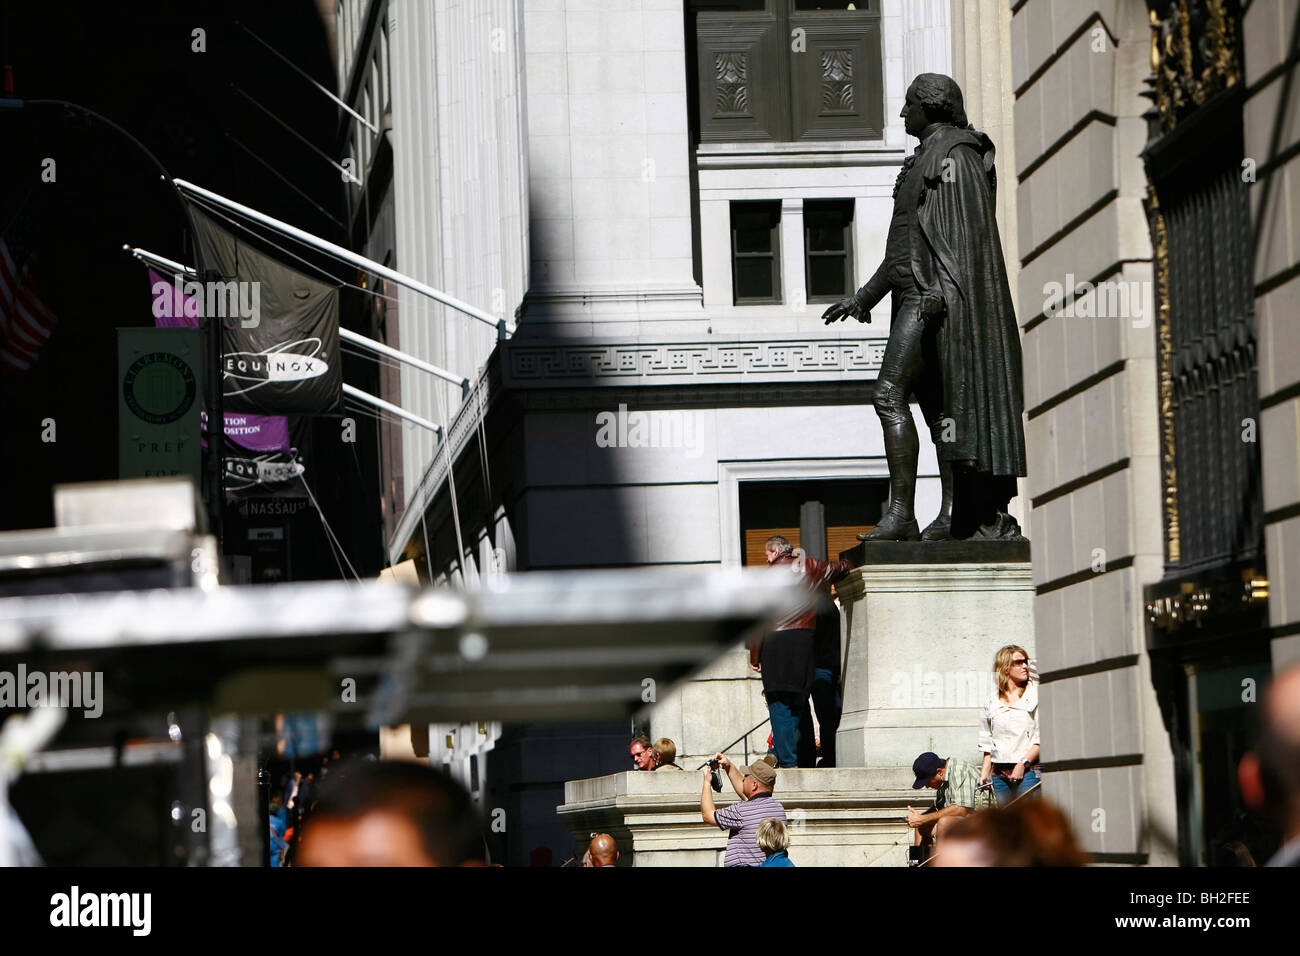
x: 281, y: 327
x: 253, y: 471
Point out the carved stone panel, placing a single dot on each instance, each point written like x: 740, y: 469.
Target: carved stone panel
x: 742, y: 73
x: 837, y: 83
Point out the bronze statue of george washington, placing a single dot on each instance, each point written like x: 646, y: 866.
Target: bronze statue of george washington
x: 953, y: 340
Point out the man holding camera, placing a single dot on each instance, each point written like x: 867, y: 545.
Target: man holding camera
x: 754, y: 785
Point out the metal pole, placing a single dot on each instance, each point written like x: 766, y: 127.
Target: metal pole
x: 404, y: 357
x: 389, y: 407
x: 154, y: 259
x: 308, y: 77
x: 347, y: 255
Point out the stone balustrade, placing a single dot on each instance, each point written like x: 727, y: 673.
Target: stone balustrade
x: 838, y: 817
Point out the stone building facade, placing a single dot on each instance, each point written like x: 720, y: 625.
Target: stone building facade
x: 1157, y: 255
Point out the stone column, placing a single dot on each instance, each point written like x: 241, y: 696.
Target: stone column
x: 926, y: 39
x: 981, y: 65
x: 916, y: 39
x: 794, y: 281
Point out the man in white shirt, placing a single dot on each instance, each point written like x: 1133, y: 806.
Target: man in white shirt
x: 1270, y: 775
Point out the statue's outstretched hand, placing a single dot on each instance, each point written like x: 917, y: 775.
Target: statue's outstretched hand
x: 844, y: 308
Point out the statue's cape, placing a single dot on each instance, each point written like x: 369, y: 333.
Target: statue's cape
x: 958, y: 256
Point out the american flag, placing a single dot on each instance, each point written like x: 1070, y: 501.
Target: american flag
x: 25, y: 321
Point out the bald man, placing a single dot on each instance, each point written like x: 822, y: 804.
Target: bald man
x: 603, y: 850
x: 1270, y: 775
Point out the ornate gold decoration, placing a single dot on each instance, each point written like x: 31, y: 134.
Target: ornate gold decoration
x: 1196, y: 602
x: 1195, y: 53
x: 1164, y: 359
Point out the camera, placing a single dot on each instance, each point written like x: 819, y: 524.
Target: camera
x: 713, y: 763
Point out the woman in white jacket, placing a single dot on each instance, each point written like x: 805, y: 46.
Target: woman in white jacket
x: 1009, y: 727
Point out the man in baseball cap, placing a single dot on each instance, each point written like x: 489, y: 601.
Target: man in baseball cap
x: 957, y: 785
x: 754, y: 785
x: 925, y: 767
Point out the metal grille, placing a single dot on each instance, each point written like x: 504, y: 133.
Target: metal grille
x: 1214, y: 371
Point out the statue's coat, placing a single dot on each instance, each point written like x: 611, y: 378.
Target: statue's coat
x: 957, y: 256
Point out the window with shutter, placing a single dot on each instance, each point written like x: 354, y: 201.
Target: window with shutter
x: 788, y: 70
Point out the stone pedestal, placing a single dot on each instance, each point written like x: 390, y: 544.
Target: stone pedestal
x: 711, y: 709
x: 918, y: 647
x: 840, y: 817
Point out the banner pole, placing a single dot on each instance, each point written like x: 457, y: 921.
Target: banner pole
x: 369, y: 399
x: 153, y: 259
x: 347, y: 255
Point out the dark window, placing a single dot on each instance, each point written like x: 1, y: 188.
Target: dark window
x: 828, y: 248
x: 788, y: 70
x: 756, y: 252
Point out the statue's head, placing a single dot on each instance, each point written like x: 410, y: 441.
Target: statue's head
x: 932, y: 98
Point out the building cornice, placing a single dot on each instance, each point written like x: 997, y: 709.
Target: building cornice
x: 716, y: 361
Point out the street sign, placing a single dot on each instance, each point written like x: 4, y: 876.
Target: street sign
x: 158, y: 400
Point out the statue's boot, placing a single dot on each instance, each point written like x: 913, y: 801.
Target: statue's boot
x: 899, y: 522
x: 893, y: 528
x: 940, y: 529
x: 1003, y: 527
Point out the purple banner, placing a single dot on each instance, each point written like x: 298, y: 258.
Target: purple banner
x: 255, y: 432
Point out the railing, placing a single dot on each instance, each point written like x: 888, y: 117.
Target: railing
x: 744, y: 737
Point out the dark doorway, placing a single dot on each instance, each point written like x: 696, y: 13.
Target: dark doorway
x: 821, y: 517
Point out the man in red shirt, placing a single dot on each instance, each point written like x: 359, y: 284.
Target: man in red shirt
x: 785, y: 657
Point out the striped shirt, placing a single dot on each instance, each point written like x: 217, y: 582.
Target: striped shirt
x: 742, y: 819
x: 960, y: 787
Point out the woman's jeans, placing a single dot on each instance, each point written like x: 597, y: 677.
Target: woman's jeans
x: 1004, y: 790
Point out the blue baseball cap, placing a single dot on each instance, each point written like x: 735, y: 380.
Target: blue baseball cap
x: 925, y: 767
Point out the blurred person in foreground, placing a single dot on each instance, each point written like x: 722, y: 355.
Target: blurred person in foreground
x: 958, y: 794
x: 1009, y: 727
x: 665, y: 754
x: 279, y: 826
x: 754, y: 785
x: 775, y: 842
x: 642, y: 752
x: 392, y: 813
x: 1270, y: 774
x: 602, y: 850
x: 787, y: 657
x: 1029, y: 833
